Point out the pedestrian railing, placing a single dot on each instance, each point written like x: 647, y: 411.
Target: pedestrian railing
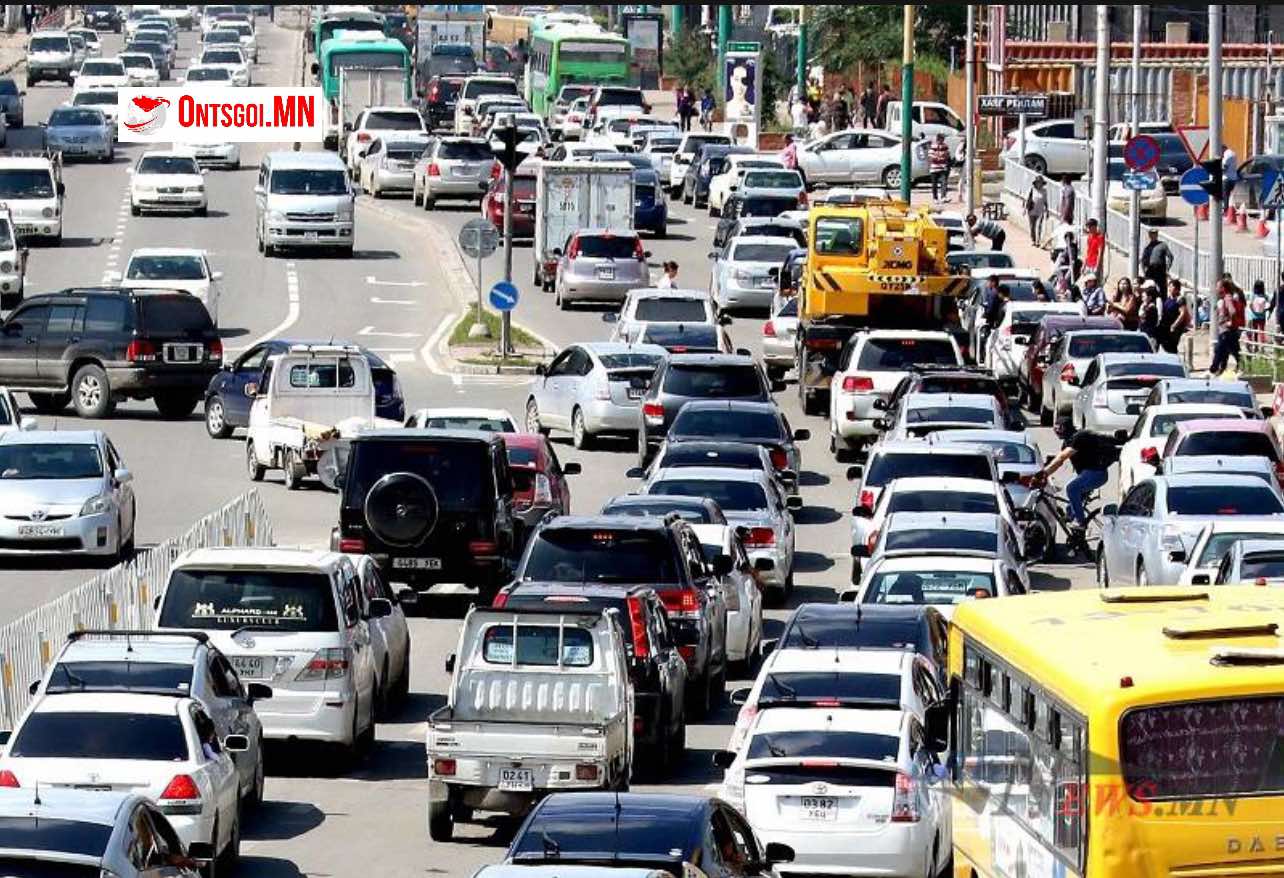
x: 120, y: 598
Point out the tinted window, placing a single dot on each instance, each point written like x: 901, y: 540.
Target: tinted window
x: 166, y: 268
x: 681, y: 338
x: 99, y: 97
x: 460, y: 472
x: 537, y: 645
x: 26, y: 183
x: 602, y: 555
x: 106, y: 314
x: 1262, y: 565
x: 671, y: 310
x: 50, y: 44
x: 758, y: 206
x: 460, y: 422
x: 898, y: 354
x: 629, y: 361
x: 1216, y: 500
x: 607, y: 246
x: 953, y: 414
x: 71, y: 118
x: 1231, y: 443
x: 720, y: 422
x: 941, y: 539
x: 478, y: 87
x: 942, y: 501
x: 1162, y: 425
x: 1115, y: 370
x: 394, y: 121
x: 50, y: 461
x: 286, y: 600
x: 1214, y: 397
x: 168, y: 164
x: 173, y: 314
x: 50, y: 834
x: 772, y: 179
x: 151, y: 737
x: 308, y: 182
x: 842, y: 630
x: 714, y: 382
x: 731, y: 496
x: 812, y: 685
x: 209, y: 74
x: 898, y: 466
x: 840, y: 236
x: 761, y: 252
x: 102, y: 68
x: 121, y: 677
x: 582, y: 833
x: 330, y: 375
x: 921, y: 587
x: 844, y: 745
x: 464, y: 151
x: 1086, y: 347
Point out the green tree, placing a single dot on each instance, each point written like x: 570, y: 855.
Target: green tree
x: 690, y: 59
x: 847, y: 35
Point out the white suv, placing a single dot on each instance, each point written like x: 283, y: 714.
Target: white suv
x: 1051, y: 148
x: 290, y: 618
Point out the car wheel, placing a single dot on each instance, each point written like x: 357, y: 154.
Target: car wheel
x: 231, y: 853
x: 176, y: 405
x: 91, y: 392
x: 295, y: 471
x: 533, y: 424
x: 255, y: 469
x: 713, y: 211
x: 699, y: 698
x: 203, y: 210
x: 216, y: 418
x: 580, y: 436
x: 561, y: 303
x: 441, y: 822
x: 134, y: 210
x: 255, y: 798
x: 663, y: 231
x: 211, y: 869
x: 1143, y: 578
x: 892, y: 177
x: 1037, y: 164
x: 49, y: 403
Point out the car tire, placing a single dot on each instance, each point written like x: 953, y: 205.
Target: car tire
x: 533, y: 423
x: 212, y: 868
x: 127, y: 548
x: 91, y: 392
x: 216, y: 424
x: 49, y: 403
x: 581, y: 438
x: 231, y: 853
x: 295, y: 470
x: 891, y: 177
x: 713, y: 211
x: 699, y: 700
x: 201, y: 211
x: 255, y: 797
x: 401, y: 691
x: 663, y: 231
x: 1037, y: 163
x: 134, y: 210
x: 176, y: 405
x: 441, y: 822
x: 255, y: 469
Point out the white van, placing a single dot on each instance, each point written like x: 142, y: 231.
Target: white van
x: 303, y: 199
x: 930, y: 119
x: 292, y: 619
x: 31, y: 187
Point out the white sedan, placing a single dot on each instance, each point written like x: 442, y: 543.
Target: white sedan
x: 167, y: 180
x: 859, y: 156
x: 942, y: 581
x: 1154, y: 201
x: 173, y: 268
x: 1145, y: 443
x: 463, y: 418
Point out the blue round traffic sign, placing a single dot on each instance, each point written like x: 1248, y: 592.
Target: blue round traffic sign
x: 1191, y: 192
x: 503, y: 296
x: 1141, y: 153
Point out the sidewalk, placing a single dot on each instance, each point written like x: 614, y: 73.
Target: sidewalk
x: 13, y: 50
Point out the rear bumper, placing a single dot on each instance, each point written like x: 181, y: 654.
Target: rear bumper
x: 133, y: 380
x: 777, y: 353
x: 575, y: 289
x: 389, y: 179
x: 321, y: 716
x: 603, y: 416
x: 1101, y: 420
x: 192, y: 827
x: 440, y: 187
x: 731, y: 296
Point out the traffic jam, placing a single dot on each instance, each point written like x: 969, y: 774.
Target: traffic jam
x: 891, y: 553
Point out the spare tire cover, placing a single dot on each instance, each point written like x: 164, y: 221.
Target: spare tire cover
x: 401, y: 509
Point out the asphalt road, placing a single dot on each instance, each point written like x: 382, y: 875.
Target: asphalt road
x: 392, y: 296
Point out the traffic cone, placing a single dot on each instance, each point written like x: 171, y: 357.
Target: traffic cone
x: 1201, y: 212
x: 1229, y: 215
x: 1262, y: 231
x: 1241, y: 221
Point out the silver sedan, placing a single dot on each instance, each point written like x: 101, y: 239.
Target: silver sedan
x: 80, y: 132
x: 741, y: 275
x: 592, y: 388
x: 779, y: 334
x: 389, y: 165
x: 1115, y: 386
x: 600, y: 265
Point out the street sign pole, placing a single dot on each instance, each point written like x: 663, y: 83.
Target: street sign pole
x: 506, y: 319
x: 479, y: 328
x: 1195, y: 272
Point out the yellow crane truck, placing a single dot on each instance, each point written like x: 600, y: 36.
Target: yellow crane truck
x: 880, y: 265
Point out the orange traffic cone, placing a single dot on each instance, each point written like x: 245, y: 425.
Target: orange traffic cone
x: 1201, y: 211
x: 1229, y: 215
x: 1241, y: 221
x: 1262, y: 231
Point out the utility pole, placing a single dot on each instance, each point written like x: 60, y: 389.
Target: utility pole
x: 969, y: 122
x: 1215, y: 143
x: 1101, y: 119
x: 907, y: 104
x: 676, y: 22
x: 1134, y: 110
x: 724, y: 37
x: 800, y: 69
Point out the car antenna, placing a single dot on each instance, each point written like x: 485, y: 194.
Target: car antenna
x: 617, y: 823
x: 36, y: 800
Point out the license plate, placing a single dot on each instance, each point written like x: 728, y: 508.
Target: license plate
x: 310, y: 236
x: 183, y: 353
x: 606, y: 272
x: 416, y: 563
x: 171, y: 198
x: 248, y: 666
x: 40, y: 530
x: 462, y: 171
x: 636, y: 392
x: 818, y: 808
x: 516, y: 780
x: 93, y: 788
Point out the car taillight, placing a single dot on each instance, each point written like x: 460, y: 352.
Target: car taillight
x: 641, y: 645
x: 858, y: 384
x: 214, y: 350
x: 574, y: 250
x: 8, y: 779
x: 759, y: 538
x: 140, y: 352
x: 181, y: 796
x: 500, y: 601
x: 688, y: 653
x: 328, y: 664
x: 769, y: 329
x: 867, y: 499
x: 482, y: 547
x: 822, y: 344
x: 1149, y: 455
x: 543, y: 490
x: 638, y: 252
x: 681, y: 602
x: 1067, y: 373
x: 779, y: 459
x: 586, y: 771
x: 495, y: 170
x: 653, y: 411
x: 872, y: 541
x: 905, y: 800
x: 434, y: 169
x: 443, y: 767
x: 352, y: 545
x: 363, y: 137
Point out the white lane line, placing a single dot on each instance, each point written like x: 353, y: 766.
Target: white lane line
x: 393, y: 283
x: 425, y: 353
x: 292, y: 313
x: 372, y: 332
x: 375, y: 300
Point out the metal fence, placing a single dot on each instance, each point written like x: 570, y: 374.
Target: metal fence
x: 121, y: 597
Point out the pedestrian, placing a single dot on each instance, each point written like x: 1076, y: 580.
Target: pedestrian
x: 1230, y: 173
x: 1227, y: 331
x: 938, y: 162
x: 798, y: 116
x: 1040, y: 291
x: 987, y: 228
x: 1151, y: 310
x: 1066, y: 201
x: 1094, y: 296
x: 880, y: 107
x: 1156, y: 260
x: 789, y: 155
x: 1259, y: 305
x: 687, y: 108
x: 1036, y: 209
x: 707, y: 104
x: 28, y: 16
x: 1175, y: 319
x: 841, y: 111
x: 1094, y: 248
x: 1067, y: 264
x: 669, y: 279
x: 1125, y: 306
x: 869, y: 105
x: 1091, y: 455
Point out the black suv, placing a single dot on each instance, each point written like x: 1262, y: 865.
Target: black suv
x: 440, y: 96
x: 431, y: 506
x: 660, y: 553
x: 680, y: 378
x: 103, y: 18
x: 656, y: 668
x: 97, y: 346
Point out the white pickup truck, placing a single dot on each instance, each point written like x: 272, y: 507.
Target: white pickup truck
x: 308, y: 399
x: 540, y: 702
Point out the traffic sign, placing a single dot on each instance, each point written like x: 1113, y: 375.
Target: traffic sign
x: 1141, y: 153
x: 1272, y: 197
x: 478, y: 238
x: 1140, y: 181
x: 1030, y: 106
x: 503, y: 296
x: 744, y: 47
x: 1191, y: 188
x: 1195, y: 138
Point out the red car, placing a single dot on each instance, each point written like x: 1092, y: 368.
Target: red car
x: 492, y: 205
x: 1050, y: 329
x: 539, y: 478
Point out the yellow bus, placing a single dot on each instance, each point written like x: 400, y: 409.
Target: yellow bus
x: 1134, y: 733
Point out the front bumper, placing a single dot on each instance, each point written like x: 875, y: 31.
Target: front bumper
x: 307, y: 716
x: 37, y: 71
x: 80, y: 535
x: 605, y: 416
x: 288, y: 234
x: 734, y: 296
x: 171, y: 201
x: 102, y: 149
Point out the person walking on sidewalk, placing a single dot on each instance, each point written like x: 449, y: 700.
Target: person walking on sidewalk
x: 706, y: 110
x: 1036, y: 209
x: 1174, y: 320
x: 1094, y: 296
x: 1094, y: 248
x: 938, y: 162
x: 1066, y: 193
x: 1156, y: 260
x: 1228, y: 330
x: 880, y: 108
x: 869, y: 105
x: 987, y: 228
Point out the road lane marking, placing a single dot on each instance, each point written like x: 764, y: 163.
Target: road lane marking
x: 292, y: 313
x: 375, y: 300
x: 370, y: 279
x: 398, y: 359
x: 425, y: 353
x: 372, y: 332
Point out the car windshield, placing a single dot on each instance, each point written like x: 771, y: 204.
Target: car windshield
x: 887, y: 467
x: 600, y: 555
x: 102, y: 68
x: 1162, y: 425
x: 465, y: 151
x: 222, y: 35
x: 759, y: 206
x: 1085, y: 347
x: 898, y: 354
x: 139, y: 59
x: 121, y: 676
x: 725, y: 424
x: 936, y: 414
x: 839, y: 235
x: 71, y: 118
x: 1217, y: 500
x: 929, y: 587
x: 943, y: 501
x: 1211, y: 396
x: 1228, y: 443
x: 1262, y: 565
x: 222, y: 56
x: 309, y: 182
x: 1121, y: 370
x: 731, y: 496
x: 168, y: 164
x: 772, y: 180
x: 209, y: 74
x: 940, y: 539
x: 715, y: 381
x: 672, y: 310
x: 99, y: 735
x: 26, y: 183
x: 538, y: 645
x: 820, y: 743
x: 393, y: 120
x: 99, y: 97
x: 695, y: 141
x: 469, y: 422
x: 650, y: 833
x: 50, y: 44
x: 607, y: 246
x: 774, y: 253
x: 50, y: 461
x: 459, y: 472
x: 225, y: 600
x: 680, y: 338
x: 166, y: 268
x: 1220, y: 543
x: 983, y: 259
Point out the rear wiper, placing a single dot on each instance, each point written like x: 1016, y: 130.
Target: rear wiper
x: 246, y: 628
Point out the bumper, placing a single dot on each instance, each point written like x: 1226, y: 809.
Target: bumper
x: 132, y: 380
x: 476, y: 782
x: 390, y: 179
x: 184, y: 201
x: 855, y: 416
x: 739, y: 633
x: 10, y: 284
x: 192, y: 827
x: 307, y: 716
x: 603, y: 416
x: 227, y: 154
x: 778, y: 353
x: 287, y: 234
x: 40, y: 71
x: 575, y: 289
x: 891, y: 851
x: 776, y: 576
x: 440, y: 187
x: 650, y: 218
x: 79, y: 150
x: 80, y: 535
x: 744, y: 297
x: 1102, y: 420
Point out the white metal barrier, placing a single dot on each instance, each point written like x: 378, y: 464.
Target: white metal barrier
x: 121, y: 597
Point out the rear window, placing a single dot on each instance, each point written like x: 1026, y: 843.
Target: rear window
x: 772, y: 180
x: 75, y: 118
x: 600, y: 555
x: 55, y: 836
x: 887, y: 467
x: 578, y: 832
x: 818, y: 743
x: 165, y: 677
x: 671, y: 310
x: 1264, y: 565
x: 941, y: 539
x: 731, y: 496
x: 225, y: 600
x: 1162, y: 425
x: 607, y: 246
x: 464, y: 422
x: 959, y: 384
x: 464, y: 151
x: 694, y: 142
x: 1216, y: 500
x: 1087, y: 347
x: 459, y: 472
x: 1241, y: 398
x: 540, y: 645
x: 721, y: 423
x: 629, y: 361
x: 1120, y: 370
x: 174, y: 314
x: 703, y: 454
x: 815, y: 685
x: 681, y: 338
x: 168, y: 164
x: 930, y: 414
x: 715, y: 382
x: 388, y: 120
x: 898, y: 354
x: 1008, y: 452
x: 143, y: 736
x: 1229, y: 443
x: 942, y: 501
x: 761, y: 252
x: 921, y: 587
x: 478, y: 88
x: 660, y: 507
x: 841, y: 630
x: 759, y: 206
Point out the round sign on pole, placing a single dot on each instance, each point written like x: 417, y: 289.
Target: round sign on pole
x: 1141, y: 153
x: 1191, y: 192
x: 504, y: 296
x: 478, y: 238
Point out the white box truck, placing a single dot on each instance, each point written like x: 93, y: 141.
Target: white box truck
x: 449, y: 25
x: 361, y: 87
x: 570, y: 196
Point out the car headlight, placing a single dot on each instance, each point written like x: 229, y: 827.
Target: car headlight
x: 96, y: 505
x: 47, y: 213
x: 6, y: 266
x: 196, y: 189
x: 276, y: 216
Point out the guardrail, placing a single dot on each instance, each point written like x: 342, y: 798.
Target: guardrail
x: 121, y: 597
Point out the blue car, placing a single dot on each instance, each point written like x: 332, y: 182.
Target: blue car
x: 650, y: 207
x: 227, y: 407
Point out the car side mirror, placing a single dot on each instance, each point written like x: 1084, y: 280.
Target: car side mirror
x: 252, y: 390
x: 635, y: 472
x: 27, y: 424
x: 937, y: 721
x: 881, y: 425
x: 724, y: 319
x: 218, y: 275
x: 722, y: 565
x: 380, y: 608
x: 1268, y: 412
x: 1110, y: 510
x: 723, y: 759
x: 740, y: 697
x: 1122, y: 435
x: 407, y: 597
x: 610, y: 317
x: 123, y: 476
x: 794, y: 502
x: 572, y: 469
x: 1134, y: 408
x: 711, y: 255
x: 5, y: 737
x: 34, y: 687
x: 778, y: 852
x: 557, y: 251
x: 849, y: 596
x: 450, y: 663
x: 646, y: 254
x: 862, y: 512
x: 258, y: 692
x: 855, y: 472
x: 1178, y: 556
x: 745, y: 352
x: 315, y: 68
x: 879, y: 405
x: 13, y: 328
x: 764, y: 565
x: 768, y: 646
x: 1010, y: 477
x: 236, y: 743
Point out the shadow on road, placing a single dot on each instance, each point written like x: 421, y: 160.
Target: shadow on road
x: 812, y: 479
x: 812, y: 562
x: 232, y: 332
x: 281, y: 821
x: 375, y: 254
x: 695, y: 765
x: 817, y: 515
x: 266, y: 867
x: 388, y: 760
x: 1045, y: 580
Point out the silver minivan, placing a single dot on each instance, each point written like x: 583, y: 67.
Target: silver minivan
x: 303, y: 199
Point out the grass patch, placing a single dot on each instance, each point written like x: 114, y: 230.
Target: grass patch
x: 459, y: 335
x: 513, y: 360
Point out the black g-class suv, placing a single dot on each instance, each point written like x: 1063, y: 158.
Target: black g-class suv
x: 431, y: 506
x: 94, y: 347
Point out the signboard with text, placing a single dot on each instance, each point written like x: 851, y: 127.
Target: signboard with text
x: 1030, y: 106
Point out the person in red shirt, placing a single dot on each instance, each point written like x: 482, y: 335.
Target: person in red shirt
x: 1094, y: 248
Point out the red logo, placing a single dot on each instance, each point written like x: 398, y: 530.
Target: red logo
x: 146, y: 114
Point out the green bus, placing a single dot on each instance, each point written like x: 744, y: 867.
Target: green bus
x: 563, y: 55
x: 351, y: 20
x: 360, y: 50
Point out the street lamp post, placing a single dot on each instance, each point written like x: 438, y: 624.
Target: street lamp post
x: 907, y: 104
